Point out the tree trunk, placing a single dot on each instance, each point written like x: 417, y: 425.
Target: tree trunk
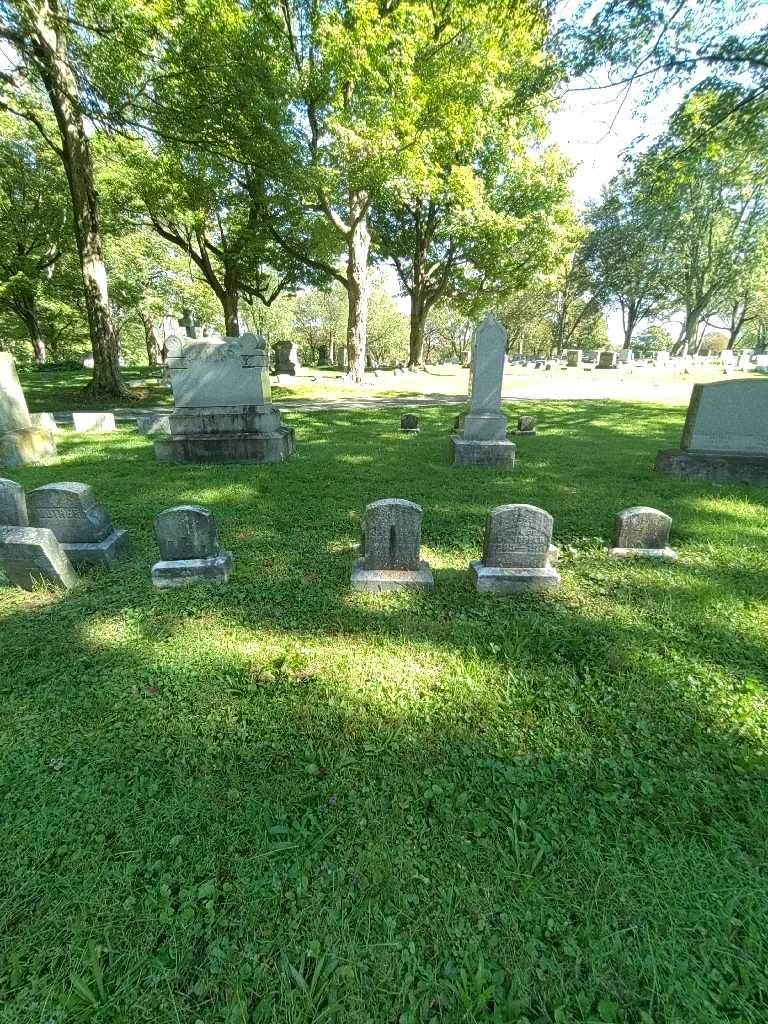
x: 230, y: 303
x: 416, y: 335
x: 687, y: 334
x: 359, y: 243
x: 152, y: 340
x: 26, y: 307
x: 49, y: 46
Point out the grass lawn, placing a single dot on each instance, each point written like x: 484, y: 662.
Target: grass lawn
x: 279, y: 801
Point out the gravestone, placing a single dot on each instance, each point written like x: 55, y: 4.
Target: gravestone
x: 642, y: 532
x: 153, y: 423
x: 626, y: 356
x: 483, y: 439
x: 725, y: 437
x: 78, y: 521
x: 13, y: 504
x: 744, y: 361
x: 573, y: 357
x: 93, y: 422
x: 187, y: 322
x: 607, y: 360
x: 322, y: 355
x: 287, y: 358
x: 45, y: 421
x: 409, y: 423
x: 224, y: 411
x: 342, y: 357
x: 188, y: 539
x: 661, y: 358
x: 29, y: 555
x: 517, y: 551
x: 21, y: 442
x: 526, y: 426
x: 390, y: 548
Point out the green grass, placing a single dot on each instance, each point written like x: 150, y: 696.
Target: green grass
x: 281, y: 801
x: 64, y: 390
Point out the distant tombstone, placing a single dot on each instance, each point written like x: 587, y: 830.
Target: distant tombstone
x: 725, y: 437
x: 21, y: 442
x: 188, y: 539
x: 390, y: 548
x: 517, y: 551
x: 483, y: 440
x: 526, y: 425
x: 322, y: 355
x: 78, y: 521
x: 744, y: 361
x: 287, y: 358
x: 93, y: 422
x: 371, y: 363
x: 153, y: 423
x: 607, y: 360
x: 642, y: 532
x: 661, y: 358
x: 626, y: 355
x: 342, y: 357
x: 187, y: 322
x: 573, y: 357
x: 88, y: 361
x: 29, y: 556
x: 45, y: 421
x: 409, y: 423
x: 224, y: 411
x: 727, y: 357
x: 13, y: 504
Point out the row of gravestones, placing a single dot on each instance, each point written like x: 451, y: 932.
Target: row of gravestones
x: 43, y: 534
x: 409, y: 424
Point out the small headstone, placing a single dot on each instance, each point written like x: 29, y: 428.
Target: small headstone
x: 390, y: 548
x: 661, y: 358
x: 409, y: 422
x: 642, y: 532
x: 287, y: 358
x: 13, y: 504
x: 29, y: 555
x: 78, y: 521
x: 153, y: 423
x: 517, y: 551
x: 626, y: 355
x: 93, y: 422
x: 188, y: 539
x: 44, y: 421
x: 573, y: 357
x: 607, y: 360
x: 526, y: 425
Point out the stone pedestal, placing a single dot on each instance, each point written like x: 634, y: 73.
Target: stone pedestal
x: 224, y: 412
x: 188, y: 539
x: 498, y: 454
x: 21, y: 442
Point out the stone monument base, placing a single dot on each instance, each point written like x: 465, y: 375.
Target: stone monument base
x: 664, y: 554
x: 489, y: 579
x: 184, y: 572
x: 30, y: 444
x: 375, y: 580
x: 105, y: 553
x: 500, y: 454
x: 719, y: 468
x: 275, y: 446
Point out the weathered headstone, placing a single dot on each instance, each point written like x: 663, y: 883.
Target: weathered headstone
x: 78, y: 521
x: 45, y: 421
x: 93, y: 422
x: 13, y: 504
x: 342, y: 357
x: 153, y: 423
x: 744, y: 361
x: 526, y: 426
x: 390, y: 548
x: 224, y: 410
x: 517, y: 551
x: 607, y: 360
x: 661, y: 358
x: 322, y: 355
x: 21, y: 442
x: 188, y: 539
x: 626, y: 356
x: 409, y: 423
x: 642, y: 532
x: 29, y: 555
x: 187, y: 322
x: 483, y: 440
x: 287, y: 358
x: 573, y: 357
x: 725, y: 437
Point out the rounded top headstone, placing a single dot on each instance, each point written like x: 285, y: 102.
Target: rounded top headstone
x: 186, y: 531
x: 517, y: 536
x: 642, y: 527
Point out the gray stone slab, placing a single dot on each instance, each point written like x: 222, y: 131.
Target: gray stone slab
x: 496, y: 454
x: 186, y: 531
x: 526, y: 426
x: 105, y: 552
x: 641, y: 527
x: 607, y: 360
x: 263, y: 419
x: 71, y: 510
x: 409, y: 423
x: 663, y: 554
x: 26, y: 446
x: 189, y: 571
x: 517, y: 536
x: 13, y: 504
x: 227, y: 448
x: 489, y: 353
x: 14, y: 414
x: 391, y: 535
x: 724, y: 469
x: 287, y: 358
x: 496, y: 580
x: 728, y: 418
x: 45, y: 421
x: 29, y: 555
x: 376, y: 580
x: 227, y: 372
x: 93, y: 422
x: 153, y: 423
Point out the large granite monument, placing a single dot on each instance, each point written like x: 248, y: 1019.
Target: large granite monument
x: 224, y: 410
x: 725, y: 437
x: 483, y: 438
x: 20, y: 441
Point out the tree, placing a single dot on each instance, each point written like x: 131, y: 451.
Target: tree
x: 654, y: 338
x: 34, y: 227
x: 447, y: 335
x: 51, y: 41
x: 623, y: 251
